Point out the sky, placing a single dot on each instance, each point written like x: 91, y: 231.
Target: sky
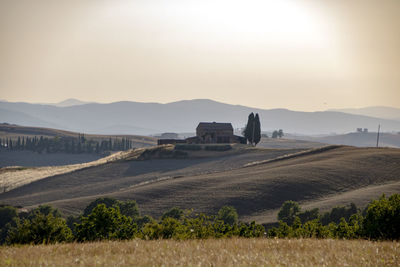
x: 296, y: 54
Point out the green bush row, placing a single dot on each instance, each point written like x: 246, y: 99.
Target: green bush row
x: 110, y: 219
x: 380, y: 220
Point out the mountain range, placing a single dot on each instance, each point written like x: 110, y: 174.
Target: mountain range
x: 182, y: 116
x: 376, y: 111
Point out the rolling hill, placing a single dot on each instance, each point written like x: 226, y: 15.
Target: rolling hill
x: 34, y: 159
x: 378, y: 112
x: 14, y: 131
x: 182, y: 116
x: 356, y: 139
x: 255, y: 181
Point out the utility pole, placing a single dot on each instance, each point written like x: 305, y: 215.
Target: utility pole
x: 377, y: 137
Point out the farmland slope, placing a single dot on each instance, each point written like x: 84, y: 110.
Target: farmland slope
x: 255, y: 181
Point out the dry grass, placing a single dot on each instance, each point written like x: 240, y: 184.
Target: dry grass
x: 223, y: 252
x: 15, y: 176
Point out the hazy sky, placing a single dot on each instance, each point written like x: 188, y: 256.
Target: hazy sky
x: 301, y: 55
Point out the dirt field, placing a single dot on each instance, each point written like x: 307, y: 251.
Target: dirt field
x: 211, y: 252
x: 285, y: 143
x: 33, y: 159
x: 323, y: 178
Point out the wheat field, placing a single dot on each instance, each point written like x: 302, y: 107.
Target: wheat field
x: 211, y: 252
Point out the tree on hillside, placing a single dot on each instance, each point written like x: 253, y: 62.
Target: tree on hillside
x: 288, y: 211
x: 175, y: 213
x: 280, y: 133
x: 105, y: 223
x: 257, y: 129
x: 275, y: 134
x: 248, y: 131
x: 108, y: 201
x: 129, y: 208
x: 228, y: 214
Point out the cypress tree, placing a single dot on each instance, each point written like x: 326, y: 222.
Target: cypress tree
x: 248, y: 132
x: 257, y: 129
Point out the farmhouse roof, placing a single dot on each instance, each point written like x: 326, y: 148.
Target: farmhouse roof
x: 215, y: 126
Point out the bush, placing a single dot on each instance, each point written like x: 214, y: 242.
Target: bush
x: 288, y: 211
x: 309, y: 215
x: 141, y: 221
x: 228, y: 215
x: 105, y: 223
x: 218, y: 147
x: 8, y: 217
x: 40, y: 229
x: 107, y: 201
x: 128, y: 208
x: 382, y: 219
x: 192, y: 147
x: 337, y: 213
x: 175, y: 213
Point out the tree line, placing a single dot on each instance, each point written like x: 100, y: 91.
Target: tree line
x: 380, y: 220
x: 73, y: 145
x: 110, y: 219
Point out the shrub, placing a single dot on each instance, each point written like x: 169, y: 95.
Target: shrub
x: 337, y: 213
x: 288, y: 211
x: 128, y: 208
x: 228, y: 215
x: 8, y: 217
x: 40, y: 229
x: 7, y: 214
x: 192, y: 147
x: 105, y: 223
x: 175, y: 213
x: 107, y: 201
x: 218, y: 147
x: 309, y: 215
x: 382, y: 219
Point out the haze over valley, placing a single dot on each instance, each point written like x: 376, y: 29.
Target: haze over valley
x: 228, y: 125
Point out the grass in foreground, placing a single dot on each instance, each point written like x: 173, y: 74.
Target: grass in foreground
x: 211, y: 252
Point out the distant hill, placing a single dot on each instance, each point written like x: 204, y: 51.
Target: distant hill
x: 378, y: 112
x: 182, y: 116
x: 358, y: 139
x: 70, y: 102
x: 27, y: 157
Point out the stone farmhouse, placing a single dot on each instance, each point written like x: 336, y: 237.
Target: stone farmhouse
x: 209, y: 133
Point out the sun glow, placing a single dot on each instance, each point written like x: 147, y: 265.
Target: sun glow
x: 283, y: 23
